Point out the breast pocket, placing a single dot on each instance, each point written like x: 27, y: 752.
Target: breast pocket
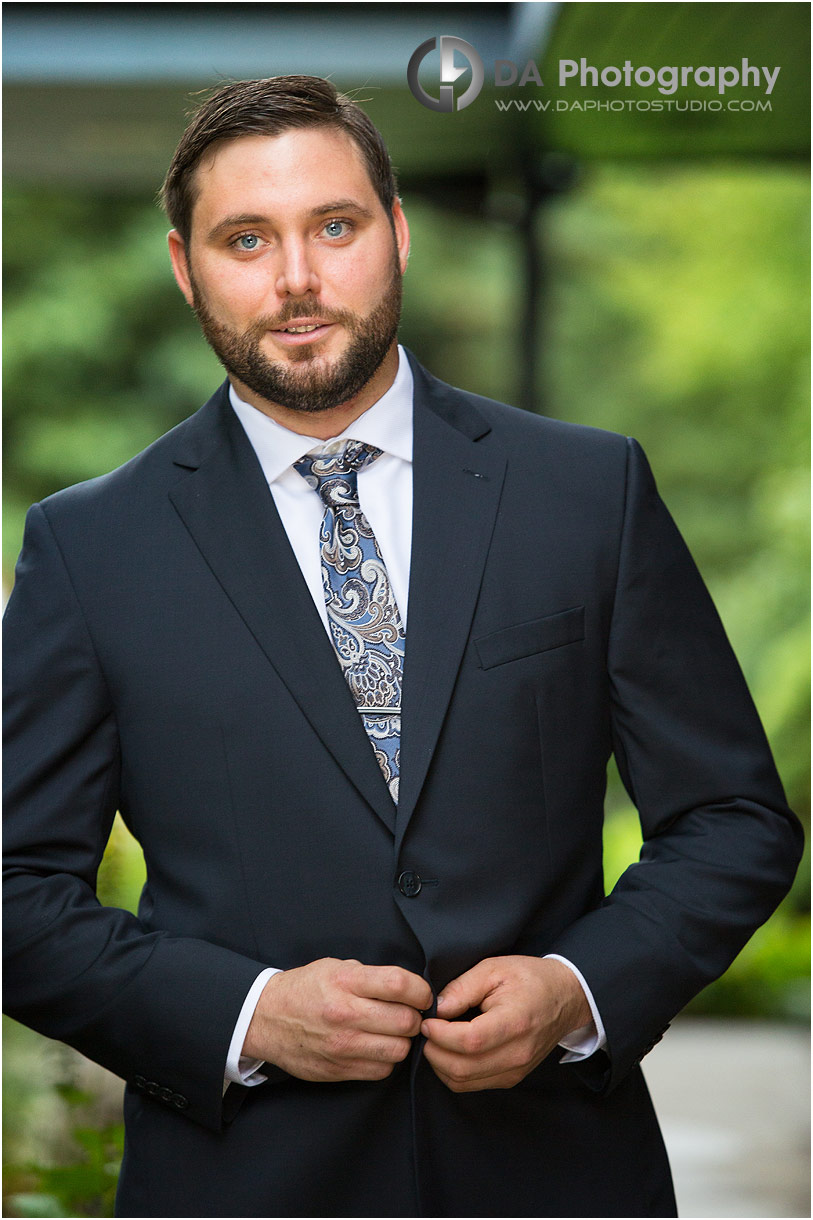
x: 527, y: 639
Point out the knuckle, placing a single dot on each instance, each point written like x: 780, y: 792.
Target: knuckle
x: 408, y: 1021
x: 518, y: 1059
x: 394, y: 980
x: 336, y: 1012
x: 401, y: 1049
x: 472, y: 1041
x: 379, y: 1071
x: 521, y: 1027
x: 346, y: 973
x: 458, y: 1077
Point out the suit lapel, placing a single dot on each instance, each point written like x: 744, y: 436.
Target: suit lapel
x: 226, y: 506
x: 458, y: 474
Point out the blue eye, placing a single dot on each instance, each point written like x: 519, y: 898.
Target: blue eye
x: 247, y: 241
x: 336, y: 228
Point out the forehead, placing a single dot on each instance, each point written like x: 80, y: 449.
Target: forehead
x: 281, y: 175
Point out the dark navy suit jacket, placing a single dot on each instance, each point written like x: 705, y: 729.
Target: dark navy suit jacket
x: 164, y: 658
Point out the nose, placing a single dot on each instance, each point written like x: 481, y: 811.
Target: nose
x: 297, y: 275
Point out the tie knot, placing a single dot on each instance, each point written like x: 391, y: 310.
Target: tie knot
x: 333, y: 474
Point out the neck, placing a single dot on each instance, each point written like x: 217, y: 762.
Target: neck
x: 325, y: 424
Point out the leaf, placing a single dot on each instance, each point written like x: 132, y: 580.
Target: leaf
x: 73, y: 1096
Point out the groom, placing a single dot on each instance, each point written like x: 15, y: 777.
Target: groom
x: 350, y: 650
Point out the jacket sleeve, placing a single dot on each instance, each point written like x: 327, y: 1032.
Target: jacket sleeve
x: 720, y: 845
x: 157, y: 1009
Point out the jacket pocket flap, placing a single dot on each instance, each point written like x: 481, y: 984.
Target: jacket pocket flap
x: 525, y: 639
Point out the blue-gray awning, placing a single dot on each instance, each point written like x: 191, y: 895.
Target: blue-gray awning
x: 99, y: 92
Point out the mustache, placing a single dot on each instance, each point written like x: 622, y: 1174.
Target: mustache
x: 302, y: 308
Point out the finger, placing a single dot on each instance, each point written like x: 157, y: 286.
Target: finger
x: 484, y: 1033
x: 329, y: 1070
x: 394, y: 984
x: 384, y: 1050
x: 461, y: 1072
x: 380, y: 1017
x: 346, y: 1015
x: 504, y: 1080
x: 352, y: 1049
x: 468, y: 990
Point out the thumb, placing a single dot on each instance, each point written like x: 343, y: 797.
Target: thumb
x: 466, y: 991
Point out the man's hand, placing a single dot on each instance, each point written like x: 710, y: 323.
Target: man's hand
x: 528, y: 1004
x: 337, y: 1020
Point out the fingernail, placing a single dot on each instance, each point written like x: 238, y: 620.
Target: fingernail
x: 441, y: 1000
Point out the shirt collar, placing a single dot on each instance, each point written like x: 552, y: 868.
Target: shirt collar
x: 387, y: 425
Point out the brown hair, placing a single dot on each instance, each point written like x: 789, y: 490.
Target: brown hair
x: 269, y: 107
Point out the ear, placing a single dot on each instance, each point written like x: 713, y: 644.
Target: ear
x: 180, y: 263
x: 401, y: 227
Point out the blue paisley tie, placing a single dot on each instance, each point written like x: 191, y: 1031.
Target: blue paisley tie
x: 365, y: 624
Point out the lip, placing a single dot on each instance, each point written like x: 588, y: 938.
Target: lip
x: 311, y: 336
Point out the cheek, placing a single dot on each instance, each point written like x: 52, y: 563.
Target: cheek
x: 239, y: 292
x: 359, y: 282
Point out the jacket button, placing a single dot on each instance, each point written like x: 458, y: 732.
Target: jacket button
x: 409, y: 883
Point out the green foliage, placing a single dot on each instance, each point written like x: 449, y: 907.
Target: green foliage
x: 122, y: 872
x: 85, y: 1184
x: 100, y: 355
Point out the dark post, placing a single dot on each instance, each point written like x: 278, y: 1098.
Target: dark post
x: 543, y: 180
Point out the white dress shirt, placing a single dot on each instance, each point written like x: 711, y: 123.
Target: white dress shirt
x: 385, y: 495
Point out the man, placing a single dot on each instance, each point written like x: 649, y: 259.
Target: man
x: 350, y: 650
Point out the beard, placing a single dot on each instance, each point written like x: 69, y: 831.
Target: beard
x: 303, y: 381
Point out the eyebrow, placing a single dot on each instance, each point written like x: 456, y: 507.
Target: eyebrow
x: 342, y: 205
x: 256, y: 218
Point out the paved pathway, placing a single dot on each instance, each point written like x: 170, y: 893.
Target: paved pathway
x: 733, y: 1100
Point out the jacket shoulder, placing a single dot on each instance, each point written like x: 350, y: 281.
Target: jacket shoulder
x: 515, y: 423
x: 514, y: 426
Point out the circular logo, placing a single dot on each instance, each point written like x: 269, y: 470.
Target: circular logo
x: 448, y: 74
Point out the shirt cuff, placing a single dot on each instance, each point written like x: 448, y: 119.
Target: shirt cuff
x: 583, y: 1042
x: 239, y: 1068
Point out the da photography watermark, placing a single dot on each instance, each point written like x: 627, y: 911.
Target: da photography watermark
x: 619, y: 105
x: 667, y: 82
x: 667, y: 79
x: 449, y: 73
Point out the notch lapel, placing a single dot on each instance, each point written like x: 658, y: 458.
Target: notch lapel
x: 225, y: 504
x: 457, y: 482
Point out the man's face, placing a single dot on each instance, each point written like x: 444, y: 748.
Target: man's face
x: 294, y: 267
